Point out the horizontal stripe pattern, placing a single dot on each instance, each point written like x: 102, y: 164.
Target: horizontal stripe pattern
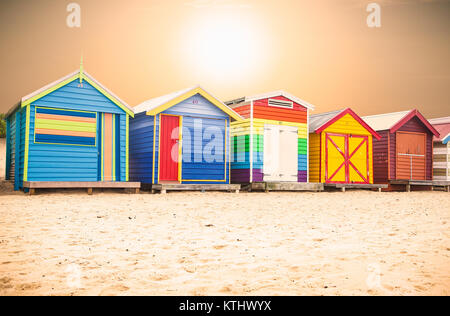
x: 66, y: 127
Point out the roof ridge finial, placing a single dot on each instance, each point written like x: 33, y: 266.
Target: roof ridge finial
x: 81, y: 69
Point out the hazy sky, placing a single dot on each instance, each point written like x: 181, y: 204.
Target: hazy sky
x: 321, y: 51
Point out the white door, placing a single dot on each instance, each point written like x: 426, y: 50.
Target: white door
x: 288, y: 153
x: 271, y: 152
x: 280, y: 153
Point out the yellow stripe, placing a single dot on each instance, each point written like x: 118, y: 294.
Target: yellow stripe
x: 127, y: 136
x: 114, y: 147
x: 180, y: 149
x: 42, y: 125
x: 27, y: 145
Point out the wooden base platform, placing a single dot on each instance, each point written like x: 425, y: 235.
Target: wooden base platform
x: 441, y: 185
x: 283, y: 186
x: 409, y: 184
x: 33, y: 185
x: 163, y: 188
x: 344, y: 186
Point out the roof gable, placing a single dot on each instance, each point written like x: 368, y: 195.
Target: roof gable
x: 76, y: 96
x: 320, y: 122
x: 272, y: 95
x: 76, y: 75
x: 410, y: 116
x: 394, y: 121
x: 161, y: 104
x: 442, y: 125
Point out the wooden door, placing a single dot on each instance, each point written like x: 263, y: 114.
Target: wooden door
x: 336, y: 168
x: 347, y: 159
x: 411, y: 156
x: 288, y: 154
x: 271, y: 167
x: 169, y: 148
x: 107, y: 148
x: 358, y: 159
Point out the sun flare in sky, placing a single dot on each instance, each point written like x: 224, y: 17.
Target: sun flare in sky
x: 223, y: 46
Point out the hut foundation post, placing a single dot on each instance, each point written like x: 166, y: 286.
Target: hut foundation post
x: 163, y: 191
x: 89, y: 191
x: 408, y: 188
x: 32, y: 192
x: 343, y: 189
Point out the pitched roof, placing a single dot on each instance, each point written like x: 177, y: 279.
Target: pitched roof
x: 65, y: 80
x: 272, y: 95
x: 160, y: 104
x: 393, y: 121
x: 385, y: 121
x: 442, y: 125
x: 319, y: 122
x: 155, y: 102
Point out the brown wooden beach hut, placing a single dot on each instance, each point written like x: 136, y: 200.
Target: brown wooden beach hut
x: 403, y: 157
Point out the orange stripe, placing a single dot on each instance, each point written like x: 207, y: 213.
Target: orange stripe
x: 64, y: 133
x: 65, y: 118
x: 108, y: 147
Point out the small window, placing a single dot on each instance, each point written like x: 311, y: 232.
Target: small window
x: 281, y: 103
x: 65, y: 127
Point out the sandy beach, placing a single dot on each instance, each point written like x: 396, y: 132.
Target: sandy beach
x: 113, y: 243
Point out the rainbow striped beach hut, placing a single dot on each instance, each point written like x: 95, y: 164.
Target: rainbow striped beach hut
x: 271, y: 144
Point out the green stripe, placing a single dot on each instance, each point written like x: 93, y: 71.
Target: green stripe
x: 302, y: 146
x: 242, y: 143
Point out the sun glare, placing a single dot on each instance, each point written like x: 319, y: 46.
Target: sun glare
x: 224, y: 46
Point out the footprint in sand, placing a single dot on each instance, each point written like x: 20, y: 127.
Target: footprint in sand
x: 5, y: 283
x: 114, y: 290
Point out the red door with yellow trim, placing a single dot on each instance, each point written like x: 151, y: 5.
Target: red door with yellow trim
x: 347, y: 159
x: 169, y: 148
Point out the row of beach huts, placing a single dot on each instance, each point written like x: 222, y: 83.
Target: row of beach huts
x: 75, y: 133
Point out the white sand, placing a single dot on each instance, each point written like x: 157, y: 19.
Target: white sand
x: 359, y: 243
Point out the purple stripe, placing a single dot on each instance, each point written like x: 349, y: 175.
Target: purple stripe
x: 258, y: 175
x: 240, y: 175
x: 302, y: 176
